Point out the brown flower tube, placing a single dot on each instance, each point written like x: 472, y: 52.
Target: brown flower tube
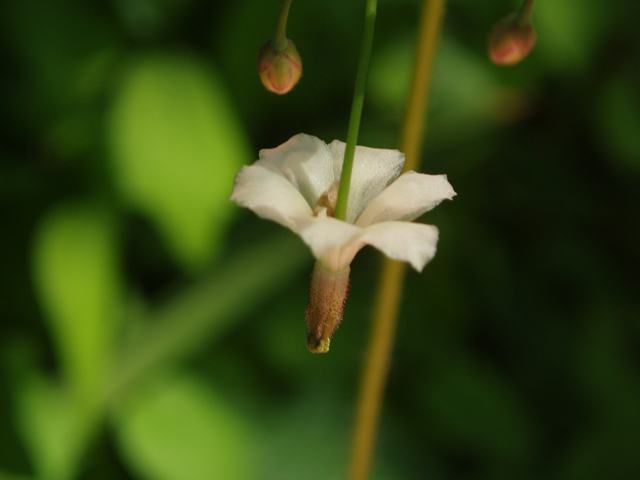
x: 327, y: 294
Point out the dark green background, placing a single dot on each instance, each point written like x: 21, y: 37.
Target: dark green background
x: 160, y: 335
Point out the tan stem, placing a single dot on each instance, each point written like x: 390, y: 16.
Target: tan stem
x: 390, y: 290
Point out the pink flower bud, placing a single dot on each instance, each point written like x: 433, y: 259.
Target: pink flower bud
x: 279, y: 70
x: 327, y: 295
x: 510, y: 42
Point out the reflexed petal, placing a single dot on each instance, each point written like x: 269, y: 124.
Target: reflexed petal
x: 373, y: 170
x: 414, y: 243
x: 306, y: 161
x: 407, y: 198
x: 324, y: 233
x: 269, y: 194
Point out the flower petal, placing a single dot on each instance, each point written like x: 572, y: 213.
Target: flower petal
x: 306, y: 162
x: 414, y: 243
x: 407, y: 198
x: 373, y: 170
x: 329, y: 235
x: 269, y: 194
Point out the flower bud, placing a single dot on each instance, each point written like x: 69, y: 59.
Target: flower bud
x: 279, y: 70
x: 510, y: 42
x: 327, y: 295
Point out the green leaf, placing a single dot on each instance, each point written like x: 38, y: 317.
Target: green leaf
x: 570, y: 31
x: 78, y: 284
x: 308, y: 437
x: 151, y: 19
x: 177, y: 145
x: 177, y: 428
x: 478, y: 410
x: 605, y: 370
x: 50, y: 427
x: 65, y: 49
x: 307, y: 440
x: 206, y: 309
x: 390, y: 75
x: 13, y: 476
x: 467, y: 89
x: 619, y: 118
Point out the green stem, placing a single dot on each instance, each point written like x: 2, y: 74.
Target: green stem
x: 525, y: 13
x: 389, y: 293
x: 279, y: 40
x: 356, y: 110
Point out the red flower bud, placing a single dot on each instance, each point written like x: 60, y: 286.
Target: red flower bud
x: 510, y: 42
x: 279, y: 70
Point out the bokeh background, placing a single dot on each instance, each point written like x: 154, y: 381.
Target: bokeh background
x: 150, y: 329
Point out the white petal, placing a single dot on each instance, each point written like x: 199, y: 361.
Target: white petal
x: 269, y: 194
x: 373, y: 170
x: 306, y: 161
x: 407, y: 198
x: 414, y: 243
x: 326, y: 235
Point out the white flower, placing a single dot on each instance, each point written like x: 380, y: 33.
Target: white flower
x: 296, y: 183
x: 287, y: 182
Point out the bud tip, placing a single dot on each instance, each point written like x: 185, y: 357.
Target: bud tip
x: 317, y: 346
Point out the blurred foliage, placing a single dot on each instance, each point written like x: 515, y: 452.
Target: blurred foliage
x: 150, y: 329
x: 170, y: 108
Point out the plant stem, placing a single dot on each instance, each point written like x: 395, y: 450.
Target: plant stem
x: 279, y: 40
x: 356, y: 109
x: 390, y: 290
x: 525, y: 12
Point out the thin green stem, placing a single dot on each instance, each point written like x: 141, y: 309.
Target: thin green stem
x: 279, y: 40
x: 387, y: 307
x: 525, y: 12
x: 356, y: 110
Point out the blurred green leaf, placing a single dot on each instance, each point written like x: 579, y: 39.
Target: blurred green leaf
x: 569, y: 31
x: 603, y: 367
x: 177, y: 428
x: 390, y: 76
x: 50, y: 427
x: 77, y: 279
x: 71, y: 136
x: 204, y: 310
x: 12, y: 476
x: 148, y: 18
x: 478, y: 411
x: 307, y: 440
x: 177, y: 145
x: 466, y: 92
x: 65, y: 47
x: 604, y: 451
x: 619, y: 119
x: 607, y: 376
x: 466, y: 88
